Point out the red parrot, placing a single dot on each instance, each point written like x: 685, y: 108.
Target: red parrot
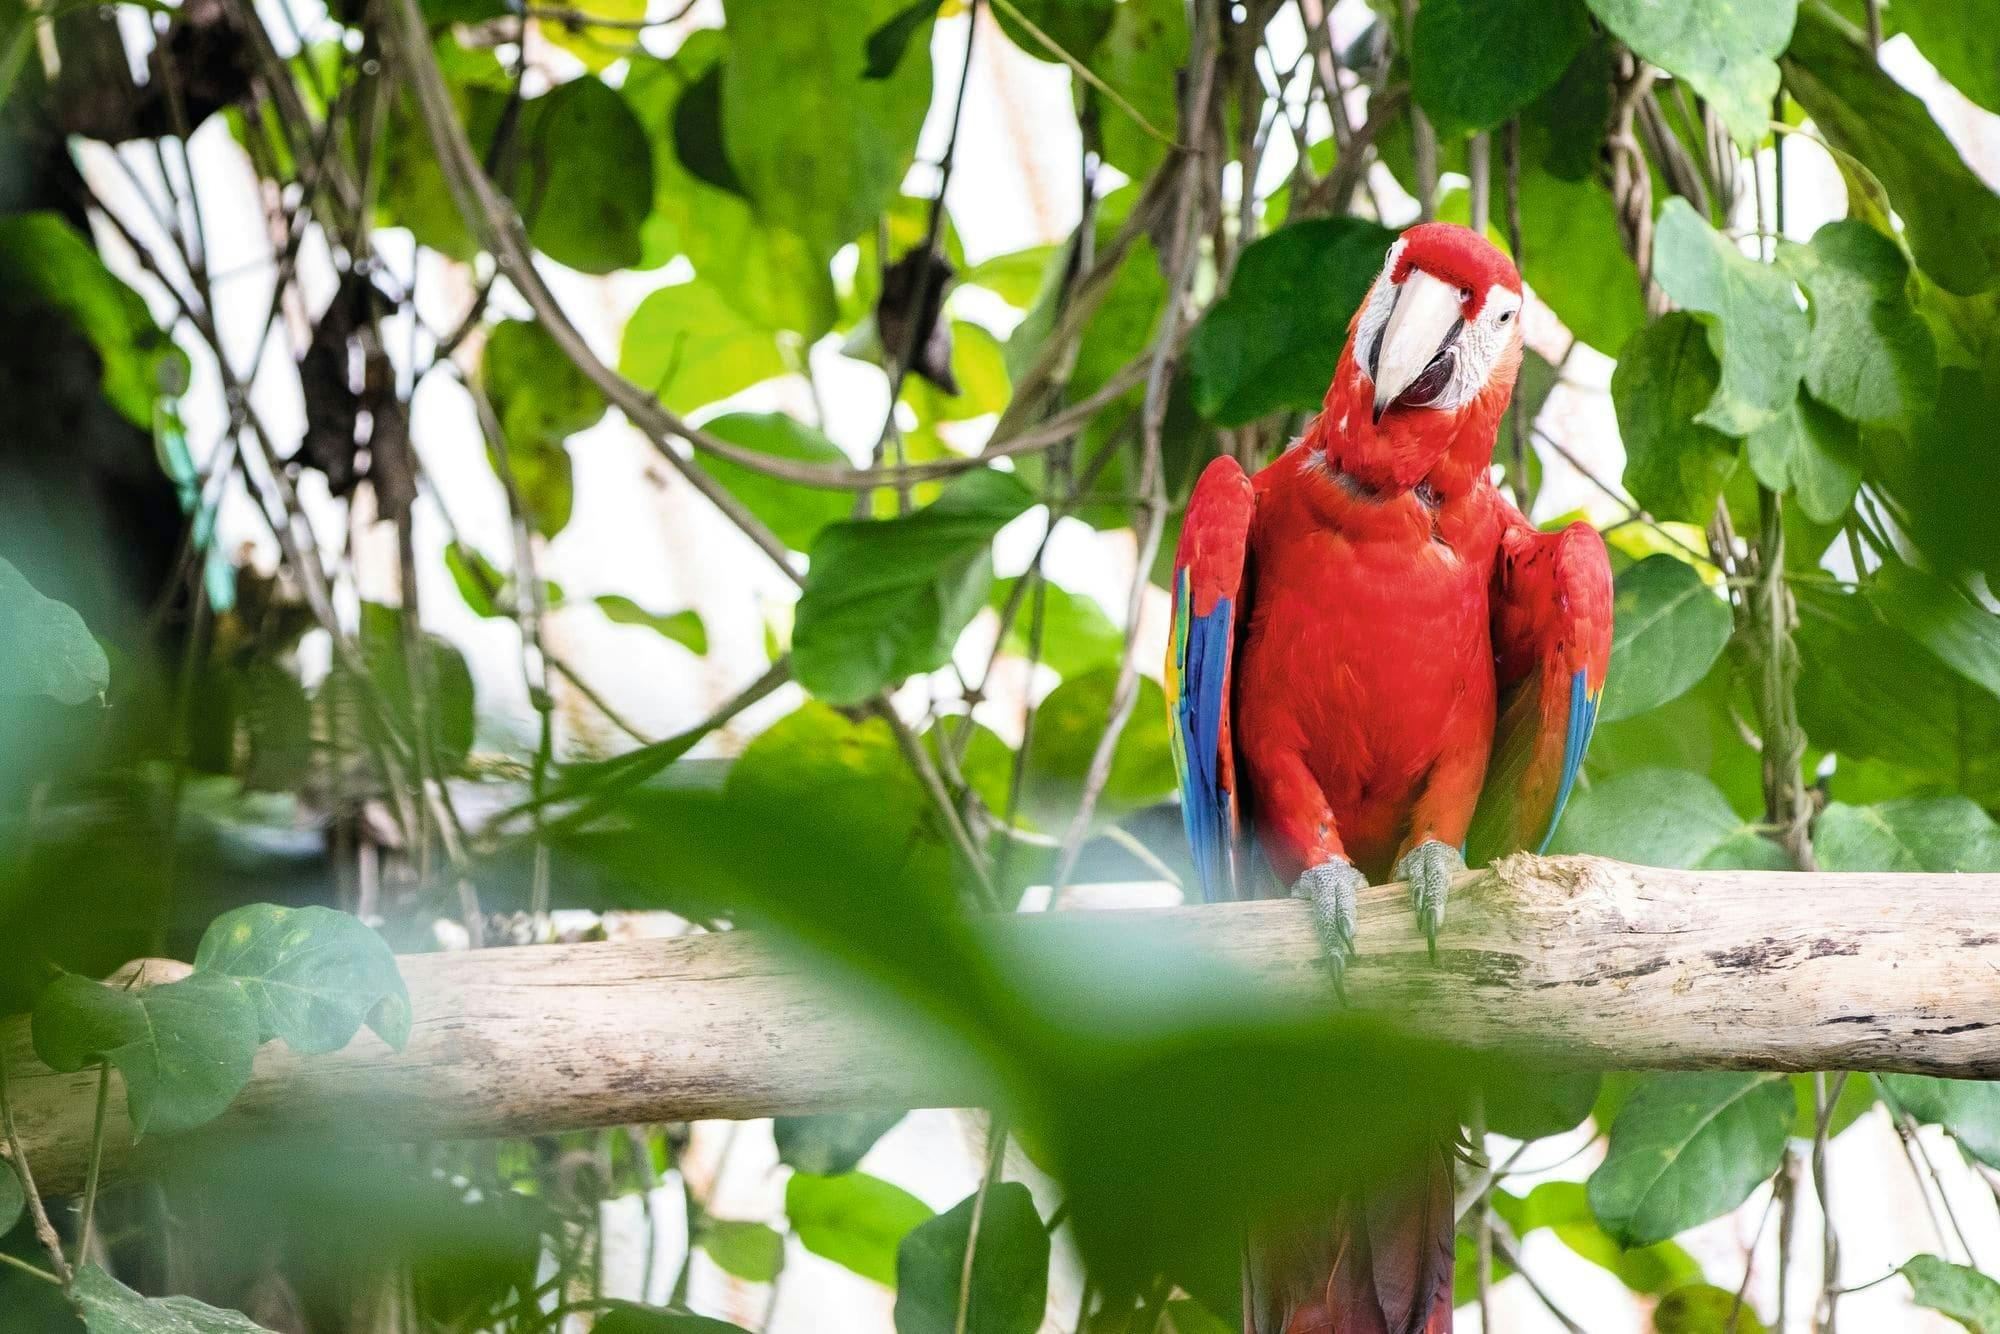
x: 1378, y: 666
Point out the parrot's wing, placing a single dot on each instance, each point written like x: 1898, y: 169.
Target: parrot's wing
x: 1208, y: 605
x: 1552, y: 643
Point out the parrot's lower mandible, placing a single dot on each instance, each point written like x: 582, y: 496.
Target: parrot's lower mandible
x: 1380, y: 668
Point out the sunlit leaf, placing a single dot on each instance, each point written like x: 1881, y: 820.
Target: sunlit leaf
x: 795, y: 513
x: 1754, y: 324
x: 1140, y: 56
x: 1273, y: 341
x: 1726, y: 52
x: 1688, y: 1147
x: 45, y: 648
x: 109, y: 1307
x: 753, y: 1252
x: 184, y: 1048
x: 683, y: 627
x: 854, y: 1220
x: 1966, y: 1295
x: 1077, y: 635
x: 1703, y: 1308
x: 1674, y: 466
x: 1068, y: 727
x: 315, y: 975
x: 1951, y: 218
x: 690, y: 346
x: 887, y: 598
x: 1670, y: 627
x: 1009, y: 1272
x: 1564, y: 1209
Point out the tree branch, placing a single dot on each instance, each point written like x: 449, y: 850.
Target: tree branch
x: 1578, y: 958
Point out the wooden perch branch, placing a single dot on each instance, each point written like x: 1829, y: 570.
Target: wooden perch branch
x: 1621, y: 965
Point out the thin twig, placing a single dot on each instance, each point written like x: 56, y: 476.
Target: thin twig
x: 45, y: 1231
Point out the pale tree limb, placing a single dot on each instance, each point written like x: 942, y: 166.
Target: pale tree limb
x: 1578, y: 958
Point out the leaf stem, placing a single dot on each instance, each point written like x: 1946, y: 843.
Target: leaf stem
x: 96, y: 1162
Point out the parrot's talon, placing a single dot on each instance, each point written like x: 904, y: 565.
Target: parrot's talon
x: 1428, y: 869
x: 1333, y: 888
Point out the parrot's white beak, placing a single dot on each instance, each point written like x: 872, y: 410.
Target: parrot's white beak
x: 1416, y: 341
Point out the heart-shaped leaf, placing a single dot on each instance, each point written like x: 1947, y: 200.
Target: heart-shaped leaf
x: 314, y: 974
x: 1688, y: 1147
x: 854, y: 1219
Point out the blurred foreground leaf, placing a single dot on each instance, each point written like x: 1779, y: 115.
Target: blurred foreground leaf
x: 45, y: 648
x: 1703, y: 1308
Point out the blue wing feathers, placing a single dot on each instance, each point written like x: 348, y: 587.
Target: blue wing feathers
x: 1582, y: 721
x: 1207, y: 807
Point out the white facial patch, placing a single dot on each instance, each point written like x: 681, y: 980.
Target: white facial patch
x: 1479, y: 346
x: 1375, y: 314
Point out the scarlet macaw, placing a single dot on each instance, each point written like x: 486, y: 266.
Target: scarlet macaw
x: 1378, y: 665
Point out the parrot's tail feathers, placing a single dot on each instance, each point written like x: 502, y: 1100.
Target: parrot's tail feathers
x: 1382, y: 1266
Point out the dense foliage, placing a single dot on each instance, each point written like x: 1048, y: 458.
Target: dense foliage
x: 1806, y: 673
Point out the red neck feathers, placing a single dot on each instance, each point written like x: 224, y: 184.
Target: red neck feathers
x: 1451, y: 449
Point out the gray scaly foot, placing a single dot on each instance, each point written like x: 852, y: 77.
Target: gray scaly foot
x: 1428, y: 868
x: 1333, y: 889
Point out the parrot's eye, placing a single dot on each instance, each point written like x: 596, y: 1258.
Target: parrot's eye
x: 1506, y: 315
x: 1465, y: 294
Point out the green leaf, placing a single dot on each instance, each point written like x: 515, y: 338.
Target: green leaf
x: 1675, y: 467
x: 448, y: 701
x: 1965, y: 637
x: 1077, y: 26
x: 689, y: 346
x: 12, y: 1202
x: 1274, y: 340
x: 683, y: 627
x: 1966, y: 1295
x: 1475, y: 64
x: 829, y: 165
x: 46, y: 267
x: 1871, y: 356
x: 753, y: 1252
x: 1654, y: 817
x: 1688, y: 1147
x: 1754, y: 323
x: 1670, y: 628
x: 1574, y: 258
x: 184, y: 1048
x: 584, y: 176
x: 1530, y: 1102
x: 1960, y: 41
x: 1010, y: 1267
x: 770, y: 275
x: 537, y: 392
x: 1937, y: 834
x: 1950, y: 217
x: 795, y: 513
x: 887, y: 43
x: 1968, y: 1108
x: 109, y: 1307
x: 1140, y: 56
x: 830, y: 1144
x: 854, y: 1220
x: 1068, y: 726
x: 886, y: 599
x: 1726, y: 51
x: 1703, y: 1308
x: 1014, y: 277
x: 1857, y: 1095
x: 1811, y: 454
x: 45, y: 648
x: 315, y: 975
x: 1077, y: 634
x: 1563, y: 1208
x: 630, y: 1318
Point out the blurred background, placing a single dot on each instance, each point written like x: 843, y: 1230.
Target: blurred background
x: 395, y: 611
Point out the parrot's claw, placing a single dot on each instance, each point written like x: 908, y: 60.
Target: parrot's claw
x: 1428, y: 869
x: 1333, y: 889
